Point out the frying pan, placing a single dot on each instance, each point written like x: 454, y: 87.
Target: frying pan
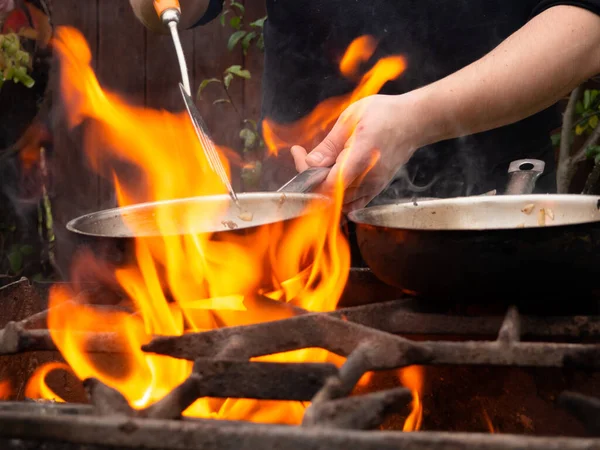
x: 519, y: 248
x: 110, y: 234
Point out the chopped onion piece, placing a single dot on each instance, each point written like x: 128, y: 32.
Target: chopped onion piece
x: 541, y: 217
x: 527, y: 209
x: 246, y: 216
x: 229, y: 224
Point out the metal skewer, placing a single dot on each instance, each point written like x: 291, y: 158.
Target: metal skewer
x: 169, y: 12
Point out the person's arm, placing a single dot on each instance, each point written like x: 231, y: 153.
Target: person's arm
x: 548, y: 57
x: 530, y: 71
x: 193, y: 13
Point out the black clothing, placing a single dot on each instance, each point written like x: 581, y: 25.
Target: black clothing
x: 305, y: 39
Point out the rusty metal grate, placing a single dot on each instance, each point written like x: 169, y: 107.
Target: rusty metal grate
x: 368, y: 336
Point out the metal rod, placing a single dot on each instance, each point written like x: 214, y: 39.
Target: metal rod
x: 92, y: 432
x: 180, y: 56
x: 222, y: 379
x: 171, y: 17
x: 391, y: 317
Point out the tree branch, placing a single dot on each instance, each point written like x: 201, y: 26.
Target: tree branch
x: 565, y: 170
x: 591, y: 184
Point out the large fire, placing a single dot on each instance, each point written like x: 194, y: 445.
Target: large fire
x: 188, y: 282
x: 311, y: 129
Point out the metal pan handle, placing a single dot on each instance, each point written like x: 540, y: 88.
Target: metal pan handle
x: 522, y: 176
x: 306, y: 181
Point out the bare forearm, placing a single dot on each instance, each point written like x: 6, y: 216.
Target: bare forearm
x: 531, y: 70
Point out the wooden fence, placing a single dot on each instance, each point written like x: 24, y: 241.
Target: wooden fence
x: 142, y: 66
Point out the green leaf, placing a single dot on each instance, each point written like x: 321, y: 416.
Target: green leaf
x: 579, y: 109
x: 592, y: 151
x: 9, y: 73
x: 238, y: 71
x: 251, y: 174
x: 587, y: 99
x: 235, y: 38
x: 222, y: 17
x: 26, y: 80
x: 597, y: 159
x: 594, y: 95
x: 252, y: 123
x: 235, y: 22
x: 555, y: 139
x: 593, y: 122
x: 579, y: 129
x: 247, y: 40
x: 227, y: 80
x: 221, y: 100
x: 27, y: 250
x: 15, y: 261
x: 260, y: 23
x: 38, y: 277
x: 238, y: 6
x: 261, y: 42
x: 205, y: 83
x: 249, y: 138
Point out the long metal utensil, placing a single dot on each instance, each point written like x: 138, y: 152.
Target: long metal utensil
x: 207, y: 143
x: 169, y: 12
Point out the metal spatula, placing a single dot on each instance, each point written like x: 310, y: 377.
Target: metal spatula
x: 169, y: 12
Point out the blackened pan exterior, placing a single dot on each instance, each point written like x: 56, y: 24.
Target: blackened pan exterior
x: 535, y: 265
x: 527, y: 265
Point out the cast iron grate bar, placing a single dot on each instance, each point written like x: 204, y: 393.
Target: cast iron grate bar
x: 23, y: 431
x: 364, y: 335
x: 383, y: 350
x: 393, y: 317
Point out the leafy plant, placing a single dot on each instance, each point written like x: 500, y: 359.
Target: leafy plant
x: 14, y: 61
x: 240, y: 35
x: 245, y: 37
x: 587, y: 116
x: 26, y: 29
x: 16, y: 256
x: 581, y: 126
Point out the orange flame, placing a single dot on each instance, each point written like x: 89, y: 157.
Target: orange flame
x: 182, y: 280
x: 5, y: 389
x: 488, y: 421
x: 311, y: 129
x: 412, y: 378
x: 359, y: 51
x: 36, y: 385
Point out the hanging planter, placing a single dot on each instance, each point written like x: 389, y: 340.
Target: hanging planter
x: 25, y: 32
x: 25, y: 60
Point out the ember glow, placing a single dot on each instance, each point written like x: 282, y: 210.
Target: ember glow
x: 187, y: 282
x: 5, y: 389
x: 488, y: 422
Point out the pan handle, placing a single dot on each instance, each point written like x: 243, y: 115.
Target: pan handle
x: 522, y: 176
x: 305, y: 181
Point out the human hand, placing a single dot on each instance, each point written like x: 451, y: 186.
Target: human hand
x: 373, y: 138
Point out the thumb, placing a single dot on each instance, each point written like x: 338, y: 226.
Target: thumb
x: 325, y: 154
